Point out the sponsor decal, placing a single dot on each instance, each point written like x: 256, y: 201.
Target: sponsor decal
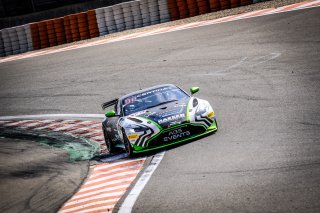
x: 133, y: 136
x: 169, y: 113
x: 130, y: 100
x: 176, y: 134
x: 136, y: 97
x: 174, y: 123
x: 180, y: 105
x: 152, y: 91
x: 139, y: 113
x: 211, y: 114
x: 143, y: 113
x: 171, y: 118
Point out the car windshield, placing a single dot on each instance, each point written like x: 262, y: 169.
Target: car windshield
x: 152, y: 98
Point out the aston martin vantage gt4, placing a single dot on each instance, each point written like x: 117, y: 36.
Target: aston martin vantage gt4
x: 156, y: 117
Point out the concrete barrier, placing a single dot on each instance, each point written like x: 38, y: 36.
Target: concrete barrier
x: 6, y: 42
x: 145, y: 15
x: 127, y: 15
x: 193, y: 8
x: 136, y: 14
x: 28, y: 36
x: 245, y: 2
x: 103, y: 21
x: 154, y: 12
x: 22, y: 39
x: 109, y: 20
x: 163, y: 11
x: 173, y: 10
x: 67, y: 29
x: 2, y: 51
x: 118, y: 17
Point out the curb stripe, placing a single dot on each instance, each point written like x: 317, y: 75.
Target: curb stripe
x: 89, y: 206
x: 97, y: 193
x: 107, y: 183
x: 97, y: 199
x: 122, y: 177
x: 112, y: 176
x: 103, y: 190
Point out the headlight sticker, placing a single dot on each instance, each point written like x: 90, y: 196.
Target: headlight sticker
x: 211, y: 114
x: 133, y: 136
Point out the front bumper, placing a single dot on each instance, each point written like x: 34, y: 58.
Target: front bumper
x: 176, y: 134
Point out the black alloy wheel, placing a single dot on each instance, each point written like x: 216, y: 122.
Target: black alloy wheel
x: 110, y: 147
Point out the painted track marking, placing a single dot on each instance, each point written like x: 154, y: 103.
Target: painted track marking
x: 107, y: 183
x: 133, y: 195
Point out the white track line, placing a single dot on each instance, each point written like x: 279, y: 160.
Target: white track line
x: 130, y: 200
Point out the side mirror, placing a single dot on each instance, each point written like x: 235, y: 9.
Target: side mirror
x: 110, y: 114
x: 194, y: 90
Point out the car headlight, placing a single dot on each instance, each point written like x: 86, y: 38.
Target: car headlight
x: 203, y: 109
x: 210, y: 114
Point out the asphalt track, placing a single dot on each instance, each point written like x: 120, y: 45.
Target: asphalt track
x: 262, y: 77
x: 39, y: 182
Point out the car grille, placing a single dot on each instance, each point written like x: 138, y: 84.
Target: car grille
x: 176, y: 134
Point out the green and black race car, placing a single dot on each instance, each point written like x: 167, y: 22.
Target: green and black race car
x: 156, y: 117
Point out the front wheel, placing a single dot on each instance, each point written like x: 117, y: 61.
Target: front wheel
x: 109, y: 145
x: 127, y: 144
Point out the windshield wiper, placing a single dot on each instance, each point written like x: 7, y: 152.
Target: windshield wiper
x: 161, y: 103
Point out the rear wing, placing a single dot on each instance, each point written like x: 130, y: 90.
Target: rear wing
x: 109, y: 103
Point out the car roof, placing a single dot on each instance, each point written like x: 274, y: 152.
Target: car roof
x: 147, y: 89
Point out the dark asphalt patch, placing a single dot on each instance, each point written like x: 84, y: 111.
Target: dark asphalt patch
x: 79, y: 149
x: 106, y: 158
x: 35, y: 177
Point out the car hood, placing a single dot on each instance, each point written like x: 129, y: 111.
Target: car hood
x: 166, y: 115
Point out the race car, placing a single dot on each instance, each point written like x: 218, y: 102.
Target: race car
x: 155, y: 118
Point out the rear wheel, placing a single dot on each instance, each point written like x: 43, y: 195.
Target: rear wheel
x: 109, y: 145
x: 127, y: 144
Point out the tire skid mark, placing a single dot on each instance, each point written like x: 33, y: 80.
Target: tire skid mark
x: 107, y: 183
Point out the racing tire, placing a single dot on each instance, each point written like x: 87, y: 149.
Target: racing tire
x: 127, y: 144
x: 109, y: 145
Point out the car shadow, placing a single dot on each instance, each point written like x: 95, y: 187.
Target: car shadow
x: 121, y: 154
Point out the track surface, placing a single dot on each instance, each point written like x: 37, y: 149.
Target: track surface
x: 39, y: 182
x: 262, y: 76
